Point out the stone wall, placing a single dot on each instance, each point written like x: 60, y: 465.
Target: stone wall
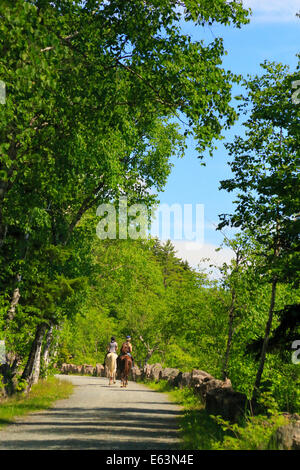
x: 85, y: 369
x: 287, y: 437
x: 218, y: 396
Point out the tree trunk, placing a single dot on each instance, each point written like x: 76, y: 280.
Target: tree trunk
x: 3, y: 233
x: 266, y: 338
x: 150, y: 351
x: 46, y: 353
x: 8, y: 371
x: 37, y: 361
x: 32, y: 368
x: 14, y: 302
x: 230, y: 334
x: 231, y: 313
x: 148, y: 356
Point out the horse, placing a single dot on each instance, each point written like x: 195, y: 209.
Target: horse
x: 125, y: 368
x: 111, y: 367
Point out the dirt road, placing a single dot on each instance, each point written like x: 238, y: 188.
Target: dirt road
x: 99, y: 416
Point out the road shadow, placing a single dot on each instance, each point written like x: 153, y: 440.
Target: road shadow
x: 98, y: 428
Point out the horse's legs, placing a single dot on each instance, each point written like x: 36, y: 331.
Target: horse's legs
x: 122, y: 380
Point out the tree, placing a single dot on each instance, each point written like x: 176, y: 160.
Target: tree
x: 104, y: 78
x: 266, y: 179
x: 232, y: 277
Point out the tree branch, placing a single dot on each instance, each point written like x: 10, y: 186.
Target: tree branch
x: 86, y: 204
x: 67, y: 38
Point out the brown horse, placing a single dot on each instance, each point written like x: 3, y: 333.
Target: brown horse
x: 125, y: 368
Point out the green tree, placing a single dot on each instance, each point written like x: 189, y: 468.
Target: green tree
x: 265, y: 168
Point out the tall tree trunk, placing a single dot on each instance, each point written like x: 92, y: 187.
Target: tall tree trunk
x: 266, y: 338
x: 32, y: 368
x: 3, y: 233
x: 230, y: 334
x: 46, y: 353
x: 14, y: 302
x: 8, y: 370
x: 231, y: 313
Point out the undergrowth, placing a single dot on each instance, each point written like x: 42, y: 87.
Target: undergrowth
x: 201, y: 431
x: 41, y: 396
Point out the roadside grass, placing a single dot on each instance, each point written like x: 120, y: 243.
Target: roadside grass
x: 41, y: 396
x: 198, y: 431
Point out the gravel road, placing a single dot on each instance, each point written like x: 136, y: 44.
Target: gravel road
x: 99, y: 416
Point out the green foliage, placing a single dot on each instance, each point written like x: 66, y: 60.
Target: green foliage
x: 134, y: 291
x: 265, y: 167
x: 256, y: 432
x: 265, y: 164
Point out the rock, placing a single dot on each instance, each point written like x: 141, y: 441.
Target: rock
x: 147, y: 371
x: 206, y: 386
x: 75, y: 369
x: 169, y: 374
x: 99, y: 370
x: 63, y: 368
x: 287, y: 437
x: 224, y: 401
x: 89, y: 370
x: 199, y: 376
x: 156, y: 371
x: 136, y: 373
x: 183, y: 379
x: 186, y: 379
x: 67, y: 368
x: 227, y: 384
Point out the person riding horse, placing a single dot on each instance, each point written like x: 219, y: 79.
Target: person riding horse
x: 125, y: 361
x: 111, y: 347
x: 126, y: 348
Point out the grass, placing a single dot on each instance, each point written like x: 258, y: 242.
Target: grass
x: 41, y: 397
x: 198, y: 431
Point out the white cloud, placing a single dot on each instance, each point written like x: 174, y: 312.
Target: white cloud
x: 193, y: 252
x: 273, y: 11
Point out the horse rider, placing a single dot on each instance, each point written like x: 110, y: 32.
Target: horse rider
x: 112, y: 347
x: 126, y: 348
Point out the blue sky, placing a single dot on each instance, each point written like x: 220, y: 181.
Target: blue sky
x: 273, y: 34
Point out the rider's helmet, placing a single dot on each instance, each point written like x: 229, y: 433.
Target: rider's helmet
x: 112, y: 339
x: 128, y: 337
